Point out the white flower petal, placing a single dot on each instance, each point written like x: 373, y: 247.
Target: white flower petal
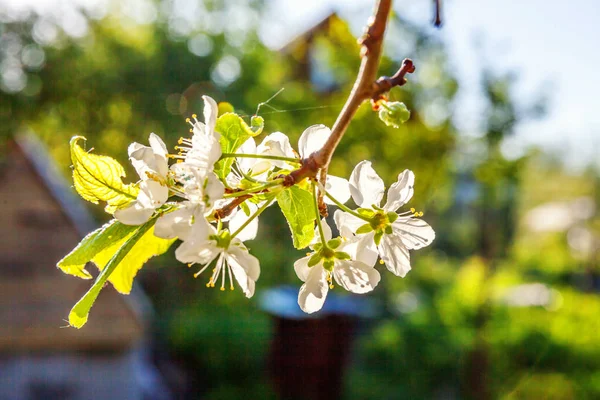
x: 355, y: 276
x: 302, y: 269
x: 211, y: 110
x: 248, y: 147
x: 143, y: 160
x: 400, y: 192
x: 277, y: 144
x: 239, y: 274
x: 338, y: 188
x: 240, y: 218
x: 361, y: 248
x: 326, y: 232
x: 366, y: 186
x: 244, y: 266
x: 174, y: 224
x: 213, y: 190
x: 248, y: 261
x: 414, y: 232
x: 314, y: 291
x: 197, y: 251
x: 312, y: 139
x: 134, y: 214
x: 158, y: 145
x: 152, y: 194
x: 395, y: 255
x: 205, y: 152
x: 347, y: 223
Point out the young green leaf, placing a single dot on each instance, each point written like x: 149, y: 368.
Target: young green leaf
x: 234, y: 132
x: 297, y: 207
x: 100, y: 246
x: 94, y: 243
x: 98, y: 178
x: 118, y: 263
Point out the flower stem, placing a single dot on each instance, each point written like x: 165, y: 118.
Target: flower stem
x: 344, y: 208
x: 256, y: 214
x: 257, y: 189
x: 318, y: 215
x: 261, y: 156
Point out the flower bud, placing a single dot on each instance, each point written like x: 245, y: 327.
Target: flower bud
x: 393, y: 113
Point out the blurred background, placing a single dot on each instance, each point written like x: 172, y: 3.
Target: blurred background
x: 503, y: 305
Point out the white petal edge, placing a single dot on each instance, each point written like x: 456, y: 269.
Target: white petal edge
x: 312, y: 139
x: 355, y: 276
x: 134, y: 214
x: 240, y: 218
x: 302, y: 269
x: 314, y: 291
x: 339, y: 188
x: 366, y: 186
x: 400, y: 192
x: 347, y: 223
x: 395, y: 255
x: 414, y: 232
x: 211, y: 110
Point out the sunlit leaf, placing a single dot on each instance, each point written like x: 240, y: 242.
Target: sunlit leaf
x: 93, y: 244
x: 119, y: 261
x: 234, y: 132
x: 98, y: 178
x: 299, y: 211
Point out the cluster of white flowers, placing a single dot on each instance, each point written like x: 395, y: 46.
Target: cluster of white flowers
x: 365, y: 234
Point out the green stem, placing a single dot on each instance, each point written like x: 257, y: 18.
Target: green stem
x: 256, y: 214
x: 344, y: 208
x: 261, y: 156
x: 316, y: 204
x: 276, y: 182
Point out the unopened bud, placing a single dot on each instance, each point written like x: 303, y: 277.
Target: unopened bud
x: 393, y: 113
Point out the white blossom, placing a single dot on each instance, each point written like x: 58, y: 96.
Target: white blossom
x: 382, y: 231
x: 342, y: 261
x: 232, y: 260
x: 150, y: 162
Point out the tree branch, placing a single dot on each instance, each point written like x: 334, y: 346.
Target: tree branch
x: 437, y: 16
x: 365, y: 87
x: 228, y: 209
x: 384, y: 84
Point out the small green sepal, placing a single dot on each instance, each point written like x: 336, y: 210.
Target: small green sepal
x: 334, y: 243
x: 392, y: 216
x: 366, y: 228
x: 378, y: 236
x: 340, y: 255
x: 314, y: 259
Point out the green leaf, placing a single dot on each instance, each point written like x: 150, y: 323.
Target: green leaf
x: 100, y: 246
x: 103, y: 237
x: 297, y: 207
x: 234, y: 132
x: 98, y: 178
x: 118, y: 262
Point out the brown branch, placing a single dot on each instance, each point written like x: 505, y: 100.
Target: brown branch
x: 437, y: 16
x: 228, y: 209
x: 384, y: 84
x: 365, y: 87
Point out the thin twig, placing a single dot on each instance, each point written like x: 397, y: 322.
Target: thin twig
x: 228, y: 209
x: 365, y: 87
x: 437, y: 16
x: 384, y: 84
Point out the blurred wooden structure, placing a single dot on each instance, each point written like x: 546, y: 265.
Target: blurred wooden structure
x: 42, y: 220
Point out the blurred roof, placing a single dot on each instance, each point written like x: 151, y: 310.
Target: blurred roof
x: 42, y: 221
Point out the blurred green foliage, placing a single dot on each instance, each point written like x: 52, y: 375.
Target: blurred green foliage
x: 457, y: 326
